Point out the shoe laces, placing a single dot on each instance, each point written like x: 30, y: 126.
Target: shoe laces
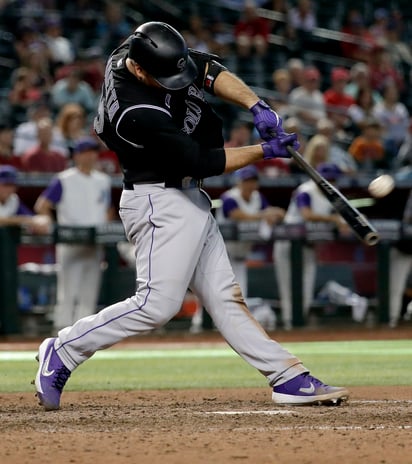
x: 61, y: 377
x: 316, y: 382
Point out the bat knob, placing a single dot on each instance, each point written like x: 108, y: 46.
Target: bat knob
x: 371, y: 239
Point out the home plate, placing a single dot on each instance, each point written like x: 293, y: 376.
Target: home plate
x: 275, y: 412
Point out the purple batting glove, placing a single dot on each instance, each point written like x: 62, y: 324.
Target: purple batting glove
x: 276, y: 147
x: 266, y: 121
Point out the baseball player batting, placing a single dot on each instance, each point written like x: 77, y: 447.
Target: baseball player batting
x: 154, y: 115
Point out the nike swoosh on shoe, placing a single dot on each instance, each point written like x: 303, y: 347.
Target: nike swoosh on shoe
x: 45, y: 369
x: 308, y: 390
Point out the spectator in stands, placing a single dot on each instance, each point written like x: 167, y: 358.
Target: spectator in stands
x: 399, y: 50
x: 90, y: 62
x: 282, y: 86
x: 221, y: 37
x: 112, y: 27
x: 71, y: 123
x: 25, y: 136
x: 361, y: 110
x: 337, y: 154
x: 23, y: 93
x: 280, y: 28
x: 296, y: 68
x: 251, y: 32
x: 379, y: 24
x: 13, y: 212
x: 357, y: 45
x: 306, y: 102
x: 302, y: 21
x: 7, y: 156
x: 317, y: 150
x: 197, y: 36
x: 42, y: 158
x: 38, y: 61
x: 382, y: 70
x: 398, y: 18
x: 286, y: 166
x: 28, y: 38
x: 394, y: 118
x: 81, y: 17
x: 81, y: 197
x: 368, y: 149
x: 307, y: 204
x: 241, y: 134
x: 359, y: 79
x: 73, y: 89
x: 292, y: 124
x: 251, y: 37
x: 61, y: 50
x: 337, y: 101
x: 279, y: 24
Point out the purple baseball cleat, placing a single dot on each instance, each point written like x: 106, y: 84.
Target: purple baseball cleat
x: 51, y: 376
x: 307, y: 390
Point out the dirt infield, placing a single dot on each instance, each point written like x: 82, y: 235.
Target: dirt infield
x: 210, y: 426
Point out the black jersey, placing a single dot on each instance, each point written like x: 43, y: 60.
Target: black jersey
x: 157, y: 134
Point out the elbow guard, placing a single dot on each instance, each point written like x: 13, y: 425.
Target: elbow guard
x: 213, y: 70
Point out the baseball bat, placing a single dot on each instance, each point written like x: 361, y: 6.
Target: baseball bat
x: 356, y: 221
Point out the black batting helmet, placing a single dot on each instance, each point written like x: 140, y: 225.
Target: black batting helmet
x: 162, y: 52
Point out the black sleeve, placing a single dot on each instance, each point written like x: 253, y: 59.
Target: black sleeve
x: 177, y: 154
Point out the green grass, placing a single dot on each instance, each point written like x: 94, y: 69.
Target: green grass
x: 349, y: 363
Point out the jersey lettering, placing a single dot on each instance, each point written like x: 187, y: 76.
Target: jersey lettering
x: 99, y: 119
x: 193, y: 91
x: 192, y: 118
x: 112, y: 102
x: 167, y: 100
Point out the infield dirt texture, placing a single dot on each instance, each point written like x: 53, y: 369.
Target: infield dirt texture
x: 211, y: 426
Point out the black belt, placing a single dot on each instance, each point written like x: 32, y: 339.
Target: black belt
x: 178, y: 184
x: 129, y: 185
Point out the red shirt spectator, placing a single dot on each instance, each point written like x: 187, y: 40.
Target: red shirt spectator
x: 357, y: 45
x: 41, y: 158
x: 382, y: 70
x: 251, y: 32
x: 336, y: 100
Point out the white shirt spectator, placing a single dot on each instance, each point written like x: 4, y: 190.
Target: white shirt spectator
x: 308, y: 106
x: 73, y: 89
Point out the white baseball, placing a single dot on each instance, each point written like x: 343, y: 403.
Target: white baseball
x: 381, y: 186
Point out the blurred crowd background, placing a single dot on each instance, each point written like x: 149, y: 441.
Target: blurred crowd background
x: 338, y: 73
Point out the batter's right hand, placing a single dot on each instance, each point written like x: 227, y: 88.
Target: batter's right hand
x: 276, y: 147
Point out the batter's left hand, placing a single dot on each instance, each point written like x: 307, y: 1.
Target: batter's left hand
x: 267, y: 121
x: 277, y: 147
